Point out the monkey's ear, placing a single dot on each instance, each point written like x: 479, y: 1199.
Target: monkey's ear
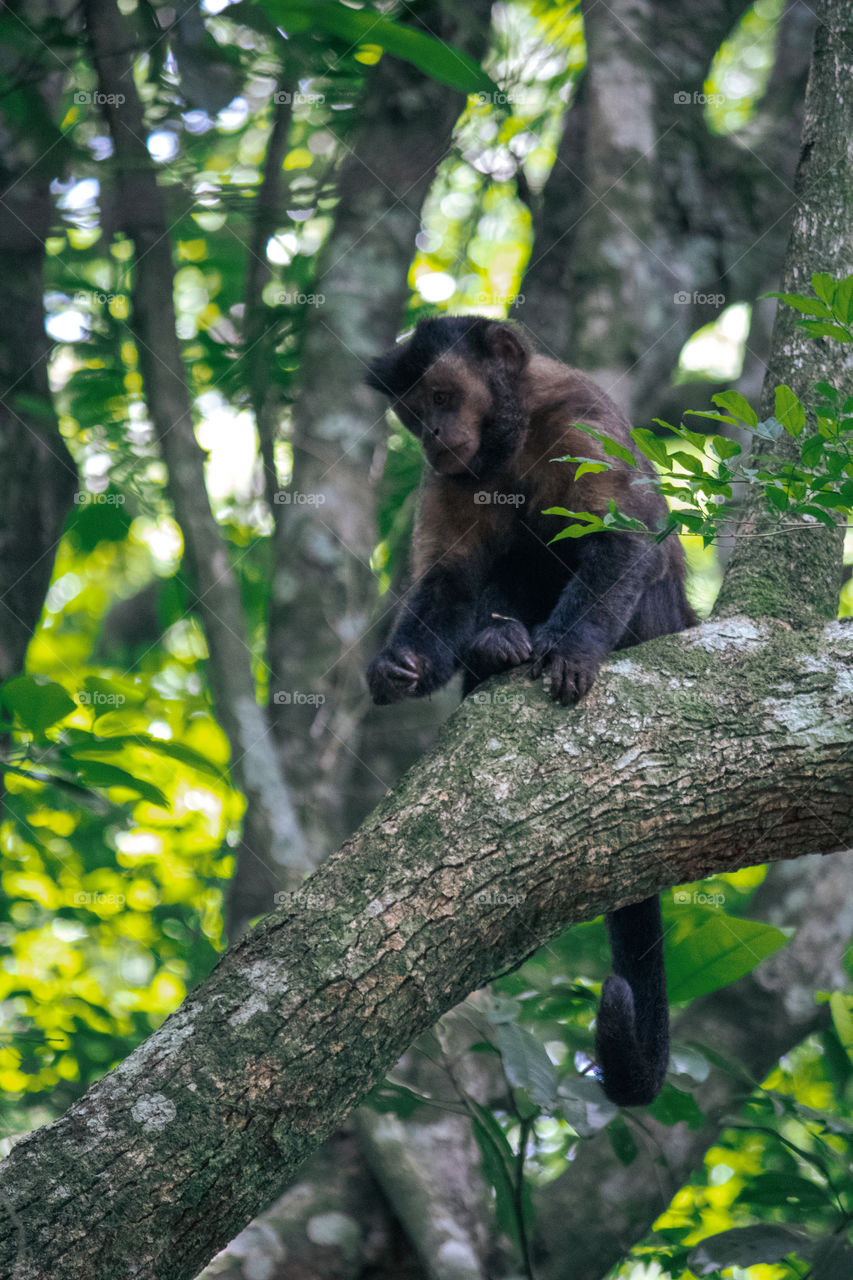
x: 507, y: 345
x: 382, y: 373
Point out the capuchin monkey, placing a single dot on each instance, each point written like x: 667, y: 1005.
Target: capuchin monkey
x: 489, y: 592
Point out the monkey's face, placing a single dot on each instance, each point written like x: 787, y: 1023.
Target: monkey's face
x: 455, y: 384
x: 446, y: 410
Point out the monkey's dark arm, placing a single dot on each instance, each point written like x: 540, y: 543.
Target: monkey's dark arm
x: 429, y: 638
x: 594, y: 610
x: 500, y: 641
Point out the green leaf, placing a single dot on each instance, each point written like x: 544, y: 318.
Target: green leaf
x: 591, y: 468
x: 824, y: 286
x: 716, y: 952
x: 808, y: 306
x: 713, y: 415
x: 394, y: 1098
x: 611, y: 447
x: 812, y: 450
x: 527, y: 1065
x: 97, y: 773
x: 777, y: 497
x: 498, y: 1160
x: 842, y: 303
x: 651, y: 445
x: 809, y: 509
x: 747, y: 1247
x: 735, y: 403
x: 689, y: 1062
x: 725, y: 448
x: 789, y: 410
x: 673, y: 1106
x: 622, y: 1141
x: 585, y: 1105
x: 781, y: 1189
x: 171, y: 750
x: 38, y: 703
x: 437, y: 59
x: 689, y: 462
x: 841, y: 1007
x: 817, y: 329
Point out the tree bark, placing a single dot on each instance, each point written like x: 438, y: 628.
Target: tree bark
x: 32, y: 515
x: 168, y: 1156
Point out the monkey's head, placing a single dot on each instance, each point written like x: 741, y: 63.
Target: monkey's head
x: 455, y: 384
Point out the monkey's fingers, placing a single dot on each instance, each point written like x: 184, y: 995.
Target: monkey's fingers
x: 496, y: 648
x: 393, y: 676
x: 570, y: 677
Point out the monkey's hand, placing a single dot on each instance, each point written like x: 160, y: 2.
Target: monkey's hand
x: 570, y: 671
x: 499, y: 647
x: 395, y: 674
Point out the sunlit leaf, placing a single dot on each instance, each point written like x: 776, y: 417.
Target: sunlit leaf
x: 37, y: 703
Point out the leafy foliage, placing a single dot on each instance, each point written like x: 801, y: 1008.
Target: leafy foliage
x: 704, y: 477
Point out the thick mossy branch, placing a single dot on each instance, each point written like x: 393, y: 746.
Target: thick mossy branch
x: 726, y: 745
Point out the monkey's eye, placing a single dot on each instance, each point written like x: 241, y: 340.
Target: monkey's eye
x: 441, y: 399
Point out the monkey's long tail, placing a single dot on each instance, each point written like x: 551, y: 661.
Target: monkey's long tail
x: 632, y: 1026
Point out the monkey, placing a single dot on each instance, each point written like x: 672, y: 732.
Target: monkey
x: 491, y: 591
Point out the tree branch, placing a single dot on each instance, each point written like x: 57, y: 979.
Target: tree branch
x: 732, y: 745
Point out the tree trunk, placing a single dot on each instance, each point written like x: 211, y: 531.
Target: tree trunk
x: 32, y: 513
x: 271, y: 834
x: 647, y: 221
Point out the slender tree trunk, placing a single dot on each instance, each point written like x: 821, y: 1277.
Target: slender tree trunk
x: 271, y: 835
x: 32, y: 514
